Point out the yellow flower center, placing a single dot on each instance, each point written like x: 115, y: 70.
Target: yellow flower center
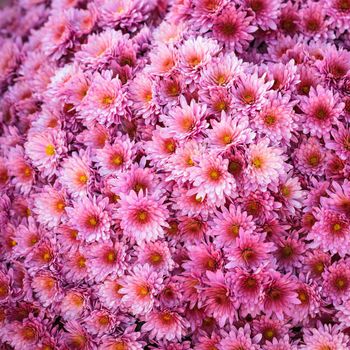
x: 118, y: 159
x: 50, y: 150
x: 257, y: 162
x: 107, y: 100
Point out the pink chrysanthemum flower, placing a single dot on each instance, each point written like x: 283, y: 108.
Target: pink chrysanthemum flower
x: 259, y: 205
x: 325, y: 336
x: 249, y: 288
x: 109, y: 293
x: 251, y: 92
x: 49, y: 206
x: 127, y: 341
x: 340, y: 142
x: 280, y: 295
x: 181, y: 162
x: 218, y: 99
x: 222, y: 71
x: 314, y: 23
x: 105, y: 259
x: 315, y: 262
x: 276, y: 120
x: 112, y: 159
x: 229, y: 132
x: 142, y: 215
x: 75, y: 336
x: 249, y: 251
x: 330, y: 232
x: 5, y: 290
x: 163, y: 60
x: 339, y: 11
x: 73, y: 304
x: 99, y: 49
x: 265, y: 165
x: 156, y: 254
x: 8, y: 61
x: 343, y: 313
x: 57, y: 35
x: 161, y: 147
x: 100, y: 322
x: 42, y: 255
x: 23, y: 335
x: 203, y: 13
x: 45, y: 286
x: 310, y: 157
x: 20, y: 170
x: 279, y: 344
x: 94, y: 138
x: 203, y: 258
x: 240, y: 338
x: 91, y: 218
x: 186, y: 121
x: 211, y: 179
x: 75, y: 174
x: 270, y: 328
x: 142, y: 93
x: 189, y: 205
x: 27, y: 237
x: 104, y: 102
x: 309, y: 294
x: 139, y: 289
x: 233, y: 28
x: 138, y: 178
x: 195, y: 53
x: 321, y: 110
x: 290, y: 194
x: 339, y: 198
x: 265, y: 13
x: 219, y: 301
x: 123, y: 13
x: 335, y: 64
x: 289, y: 253
x: 229, y: 223
x: 165, y: 324
x: 336, y: 286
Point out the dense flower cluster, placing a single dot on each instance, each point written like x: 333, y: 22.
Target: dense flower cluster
x: 174, y: 174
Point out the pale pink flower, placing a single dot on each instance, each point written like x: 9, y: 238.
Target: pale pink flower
x: 265, y: 165
x: 211, y: 179
x: 229, y: 132
x: 165, y: 324
x: 20, y: 170
x: 186, y: 121
x: 195, y: 53
x: 142, y: 216
x: 75, y: 174
x: 115, y: 158
x: 106, y: 260
x: 228, y: 224
x: 104, y: 102
x: 73, y: 304
x: 100, y: 49
x: 91, y: 217
x: 139, y: 289
x: 49, y: 206
x: 45, y: 285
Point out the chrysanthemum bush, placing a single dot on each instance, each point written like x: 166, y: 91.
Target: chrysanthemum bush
x: 175, y: 175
